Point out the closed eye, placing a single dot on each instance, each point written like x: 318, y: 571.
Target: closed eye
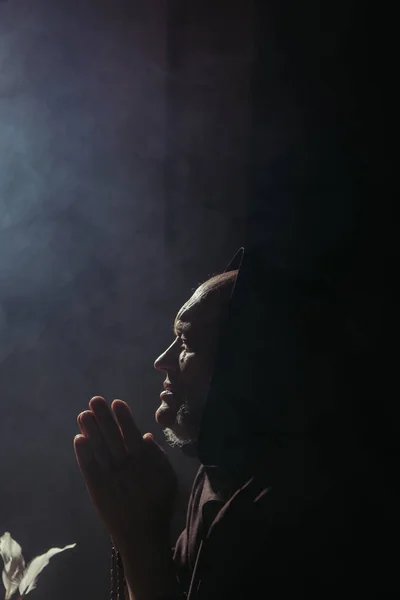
x: 185, y: 343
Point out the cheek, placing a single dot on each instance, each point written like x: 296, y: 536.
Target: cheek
x: 195, y: 372
x: 187, y: 361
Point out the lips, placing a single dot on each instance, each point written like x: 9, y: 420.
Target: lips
x: 166, y: 413
x: 167, y: 385
x: 166, y: 393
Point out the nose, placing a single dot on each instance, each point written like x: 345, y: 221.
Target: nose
x: 165, y: 362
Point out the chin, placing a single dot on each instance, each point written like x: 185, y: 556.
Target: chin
x: 181, y: 429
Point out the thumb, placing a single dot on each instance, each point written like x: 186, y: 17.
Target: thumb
x: 153, y: 448
x: 151, y: 444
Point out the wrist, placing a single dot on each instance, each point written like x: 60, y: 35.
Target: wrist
x: 149, y: 570
x: 136, y: 544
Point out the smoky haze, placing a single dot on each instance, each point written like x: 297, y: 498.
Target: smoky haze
x: 87, y: 293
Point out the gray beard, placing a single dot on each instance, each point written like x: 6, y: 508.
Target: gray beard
x: 174, y: 441
x: 171, y: 437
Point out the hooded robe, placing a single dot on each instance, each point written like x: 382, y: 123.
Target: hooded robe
x: 289, y: 498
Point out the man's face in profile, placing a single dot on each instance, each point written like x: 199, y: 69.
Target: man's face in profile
x: 188, y: 365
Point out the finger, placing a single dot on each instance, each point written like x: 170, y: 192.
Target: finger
x: 132, y: 436
x: 108, y: 427
x: 87, y: 462
x: 91, y: 431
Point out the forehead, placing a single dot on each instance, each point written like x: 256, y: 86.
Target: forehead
x: 196, y: 314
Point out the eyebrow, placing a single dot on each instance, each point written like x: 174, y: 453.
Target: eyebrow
x: 181, y: 328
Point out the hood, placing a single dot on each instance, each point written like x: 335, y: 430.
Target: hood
x: 279, y: 384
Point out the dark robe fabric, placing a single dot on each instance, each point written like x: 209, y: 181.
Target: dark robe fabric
x: 264, y: 543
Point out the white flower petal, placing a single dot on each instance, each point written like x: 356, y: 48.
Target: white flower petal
x: 28, y: 582
x: 11, y: 585
x: 14, y: 564
x: 9, y: 548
